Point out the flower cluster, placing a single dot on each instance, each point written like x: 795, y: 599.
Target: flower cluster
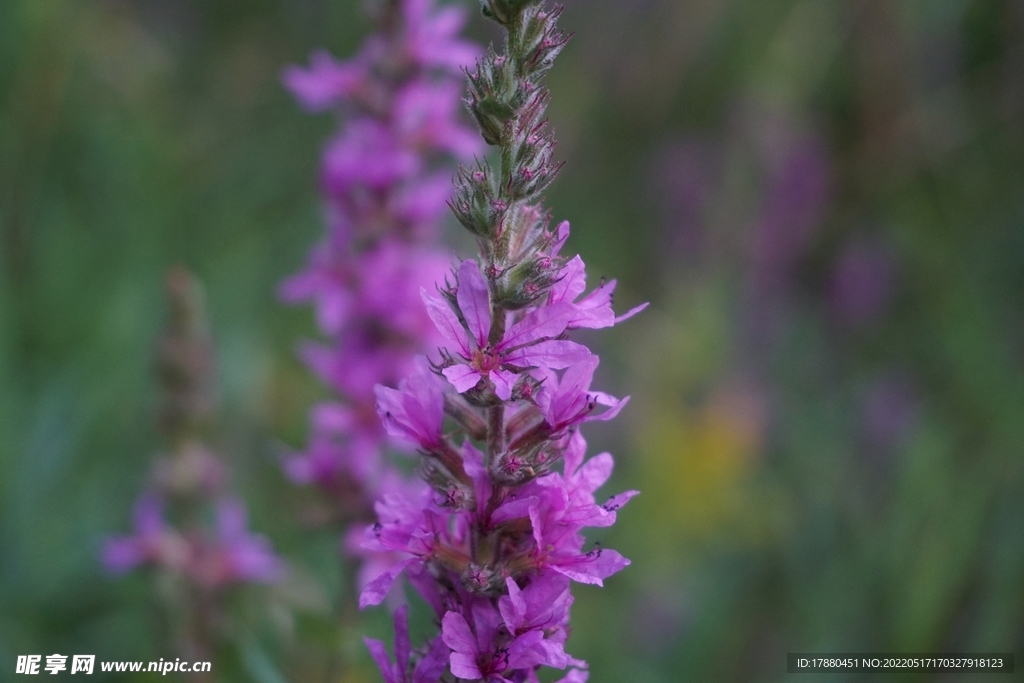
x: 187, y: 524
x: 385, y: 186
x: 494, y: 544
x: 228, y: 555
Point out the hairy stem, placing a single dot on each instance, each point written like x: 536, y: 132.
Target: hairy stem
x: 495, y: 433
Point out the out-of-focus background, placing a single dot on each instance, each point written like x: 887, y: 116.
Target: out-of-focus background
x: 822, y: 200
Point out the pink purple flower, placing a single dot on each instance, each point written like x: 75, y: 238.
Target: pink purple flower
x: 212, y: 558
x: 384, y: 180
x: 494, y: 548
x: 530, y: 342
x: 152, y: 543
x: 188, y: 486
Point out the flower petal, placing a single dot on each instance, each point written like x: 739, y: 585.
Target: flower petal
x: 631, y: 312
x: 462, y: 377
x: 447, y: 322
x: 512, y: 606
x: 432, y: 665
x: 561, y: 235
x: 513, y: 509
x: 457, y: 635
x: 595, y: 472
x: 375, y: 591
x: 593, y: 567
x: 380, y: 656
x: 465, y: 666
x: 618, y: 500
x: 614, y: 405
x: 474, y: 301
x: 555, y: 354
x: 402, y: 645
x: 503, y: 383
x: 572, y: 281
x: 575, y: 676
x: 547, y: 321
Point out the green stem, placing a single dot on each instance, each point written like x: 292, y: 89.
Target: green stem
x: 495, y: 432
x: 495, y: 414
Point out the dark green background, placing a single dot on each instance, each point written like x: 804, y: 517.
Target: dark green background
x: 142, y: 133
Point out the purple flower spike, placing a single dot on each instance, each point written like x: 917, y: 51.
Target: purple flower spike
x: 385, y: 183
x: 528, y: 343
x: 187, y: 486
x: 495, y: 545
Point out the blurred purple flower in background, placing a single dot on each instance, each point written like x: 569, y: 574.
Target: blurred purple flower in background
x: 214, y: 559
x: 187, y: 524
x: 889, y: 414
x: 796, y: 195
x: 385, y: 183
x: 795, y: 198
x: 151, y: 543
x: 861, y: 284
x: 238, y: 555
x: 684, y: 179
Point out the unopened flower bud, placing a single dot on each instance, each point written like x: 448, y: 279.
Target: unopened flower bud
x: 520, y: 465
x: 483, y: 580
x: 453, y: 493
x: 503, y: 11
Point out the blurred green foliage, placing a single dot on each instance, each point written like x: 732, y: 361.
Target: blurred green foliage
x: 820, y: 198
